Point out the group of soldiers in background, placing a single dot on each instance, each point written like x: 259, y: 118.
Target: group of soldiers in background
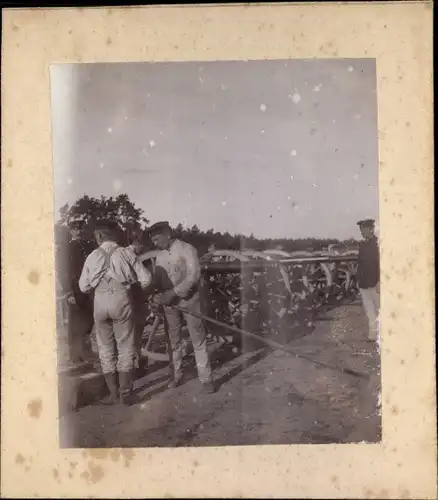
x: 112, y: 290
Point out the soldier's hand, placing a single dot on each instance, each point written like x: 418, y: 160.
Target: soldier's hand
x: 166, y: 298
x: 153, y: 306
x: 71, y: 300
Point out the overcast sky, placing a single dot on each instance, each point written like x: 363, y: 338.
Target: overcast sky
x: 274, y: 148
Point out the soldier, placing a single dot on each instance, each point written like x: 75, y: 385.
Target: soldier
x: 70, y: 259
x: 177, y: 277
x: 140, y: 307
x: 110, y: 271
x: 368, y: 275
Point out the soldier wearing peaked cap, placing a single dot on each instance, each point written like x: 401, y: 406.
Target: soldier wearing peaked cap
x: 177, y: 277
x: 109, y: 272
x: 368, y: 275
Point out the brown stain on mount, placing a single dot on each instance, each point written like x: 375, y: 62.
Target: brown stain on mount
x: 98, y: 454
x: 128, y: 455
x: 113, y: 454
x: 34, y: 277
x: 35, y: 407
x: 19, y: 459
x: 96, y: 472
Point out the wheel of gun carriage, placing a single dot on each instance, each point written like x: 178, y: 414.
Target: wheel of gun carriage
x: 316, y: 279
x: 272, y: 298
x: 221, y: 298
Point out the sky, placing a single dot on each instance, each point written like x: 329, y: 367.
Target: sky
x: 278, y: 148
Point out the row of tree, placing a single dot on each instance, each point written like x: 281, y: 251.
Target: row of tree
x: 80, y: 218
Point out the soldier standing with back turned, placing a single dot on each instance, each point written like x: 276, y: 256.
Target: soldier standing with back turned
x: 110, y: 271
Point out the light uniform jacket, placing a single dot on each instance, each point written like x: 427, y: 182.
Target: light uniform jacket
x: 178, y: 268
x: 125, y: 268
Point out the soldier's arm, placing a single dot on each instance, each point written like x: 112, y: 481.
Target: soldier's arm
x: 143, y: 275
x: 193, y: 273
x: 85, y: 278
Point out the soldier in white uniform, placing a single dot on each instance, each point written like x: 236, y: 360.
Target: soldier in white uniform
x: 110, y: 271
x: 177, y: 276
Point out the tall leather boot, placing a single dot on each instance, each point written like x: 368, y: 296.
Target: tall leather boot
x: 112, y: 384
x: 126, y: 388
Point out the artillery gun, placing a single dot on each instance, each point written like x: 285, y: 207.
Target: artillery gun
x: 272, y: 292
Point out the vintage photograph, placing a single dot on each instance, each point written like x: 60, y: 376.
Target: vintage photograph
x: 217, y: 252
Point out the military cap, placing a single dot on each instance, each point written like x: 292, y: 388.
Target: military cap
x: 77, y: 224
x: 366, y: 223
x: 159, y: 227
x: 108, y: 225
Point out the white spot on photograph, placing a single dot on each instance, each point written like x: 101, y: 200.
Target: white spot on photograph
x: 224, y: 203
x: 152, y: 143
x: 223, y: 87
x: 358, y: 116
x: 117, y: 185
x: 296, y: 98
x: 293, y: 152
x: 263, y: 107
x: 317, y: 88
x: 350, y: 68
x: 101, y: 164
x: 126, y: 117
x: 69, y: 181
x: 201, y: 80
x: 262, y: 131
x: 110, y: 130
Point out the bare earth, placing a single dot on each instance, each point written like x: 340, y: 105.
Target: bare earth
x: 265, y: 397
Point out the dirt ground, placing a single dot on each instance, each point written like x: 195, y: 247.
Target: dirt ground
x: 264, y: 397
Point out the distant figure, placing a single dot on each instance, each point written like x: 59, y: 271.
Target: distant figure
x: 110, y: 271
x: 212, y: 248
x: 368, y: 275
x: 177, y: 276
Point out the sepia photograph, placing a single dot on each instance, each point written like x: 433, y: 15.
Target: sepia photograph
x: 216, y: 232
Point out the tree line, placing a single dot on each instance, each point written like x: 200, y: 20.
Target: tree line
x: 82, y: 215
